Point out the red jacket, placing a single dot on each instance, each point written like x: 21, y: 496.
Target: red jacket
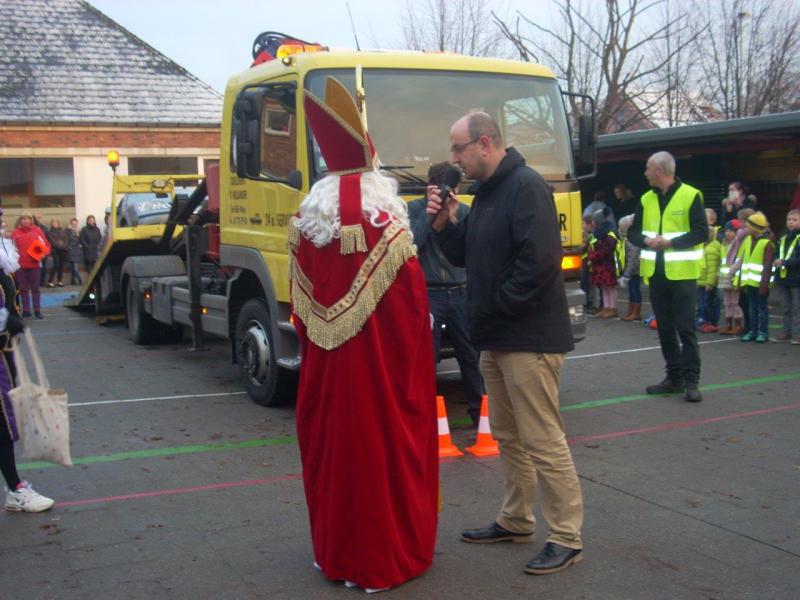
x: 24, y: 237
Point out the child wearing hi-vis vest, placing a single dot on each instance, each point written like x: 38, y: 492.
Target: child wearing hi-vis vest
x: 787, y: 276
x: 707, y: 295
x: 732, y: 324
x: 754, y: 273
x: 605, y: 262
x: 630, y: 276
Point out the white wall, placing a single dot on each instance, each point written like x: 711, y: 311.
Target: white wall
x: 93, y: 180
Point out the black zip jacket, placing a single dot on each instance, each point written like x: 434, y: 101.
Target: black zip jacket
x: 792, y: 262
x: 510, y: 245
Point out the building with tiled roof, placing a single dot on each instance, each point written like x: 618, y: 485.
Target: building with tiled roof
x: 75, y: 84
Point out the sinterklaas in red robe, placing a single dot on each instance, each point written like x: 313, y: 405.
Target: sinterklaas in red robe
x: 366, y: 415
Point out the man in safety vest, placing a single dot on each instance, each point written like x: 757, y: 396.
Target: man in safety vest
x: 670, y: 227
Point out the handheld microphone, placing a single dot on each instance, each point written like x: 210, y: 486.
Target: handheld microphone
x: 449, y: 182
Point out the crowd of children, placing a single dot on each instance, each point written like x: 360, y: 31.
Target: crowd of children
x: 742, y: 258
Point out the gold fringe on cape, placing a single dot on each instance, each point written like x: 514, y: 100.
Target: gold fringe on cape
x: 331, y: 326
x: 352, y: 239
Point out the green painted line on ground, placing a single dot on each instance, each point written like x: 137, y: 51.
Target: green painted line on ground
x: 705, y: 388
x: 283, y: 441
x: 156, y: 452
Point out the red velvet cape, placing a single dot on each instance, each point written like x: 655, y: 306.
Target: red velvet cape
x: 366, y: 418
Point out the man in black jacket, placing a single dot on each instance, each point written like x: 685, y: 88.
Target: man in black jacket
x: 447, y: 290
x: 517, y: 311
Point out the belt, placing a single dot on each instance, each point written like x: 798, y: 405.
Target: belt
x: 436, y: 288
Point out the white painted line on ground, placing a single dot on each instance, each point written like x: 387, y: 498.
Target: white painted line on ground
x: 71, y: 404
x: 730, y: 339
x: 613, y: 352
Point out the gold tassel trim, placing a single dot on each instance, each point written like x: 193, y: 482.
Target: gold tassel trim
x: 292, y: 243
x: 330, y: 327
x: 352, y: 239
x: 294, y: 232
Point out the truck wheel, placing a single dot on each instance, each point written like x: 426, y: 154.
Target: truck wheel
x: 98, y: 303
x: 265, y: 382
x: 143, y: 328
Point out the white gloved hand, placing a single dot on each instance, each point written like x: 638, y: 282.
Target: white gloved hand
x: 623, y: 282
x: 3, y: 318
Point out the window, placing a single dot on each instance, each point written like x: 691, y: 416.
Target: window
x: 410, y: 113
x: 37, y: 182
x: 279, y: 138
x: 264, y: 132
x: 162, y: 165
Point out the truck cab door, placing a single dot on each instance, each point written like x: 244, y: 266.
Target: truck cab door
x: 264, y: 191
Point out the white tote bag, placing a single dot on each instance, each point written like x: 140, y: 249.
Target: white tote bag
x: 41, y: 412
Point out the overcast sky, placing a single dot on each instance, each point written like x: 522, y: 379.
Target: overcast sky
x: 213, y: 39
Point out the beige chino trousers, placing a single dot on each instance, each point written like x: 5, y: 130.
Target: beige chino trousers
x: 525, y: 421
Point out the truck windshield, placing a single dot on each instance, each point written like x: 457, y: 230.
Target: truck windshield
x: 410, y: 113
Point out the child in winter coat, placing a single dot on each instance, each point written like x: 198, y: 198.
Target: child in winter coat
x: 754, y: 266
x: 730, y: 293
x: 787, y: 276
x: 630, y: 276
x: 586, y: 285
x: 604, y: 267
x: 707, y: 297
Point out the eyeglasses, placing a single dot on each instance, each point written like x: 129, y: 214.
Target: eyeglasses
x: 459, y: 148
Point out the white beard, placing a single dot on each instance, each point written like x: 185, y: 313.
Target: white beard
x: 319, y: 220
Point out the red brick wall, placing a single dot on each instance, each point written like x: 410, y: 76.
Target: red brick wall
x: 108, y: 138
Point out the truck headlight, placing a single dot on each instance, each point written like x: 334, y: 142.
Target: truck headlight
x: 577, y: 314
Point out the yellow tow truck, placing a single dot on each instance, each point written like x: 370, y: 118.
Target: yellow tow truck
x: 229, y: 278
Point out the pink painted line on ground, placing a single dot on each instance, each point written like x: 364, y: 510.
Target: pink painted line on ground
x: 295, y: 476
x: 679, y: 425
x: 186, y: 490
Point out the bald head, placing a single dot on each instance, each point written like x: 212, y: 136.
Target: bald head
x: 476, y: 145
x: 660, y: 171
x: 664, y: 161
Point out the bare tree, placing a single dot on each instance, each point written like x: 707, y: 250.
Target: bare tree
x: 614, y: 51
x: 751, y: 57
x: 462, y: 26
x: 680, y: 100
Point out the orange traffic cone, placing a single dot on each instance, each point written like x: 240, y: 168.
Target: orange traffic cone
x: 446, y: 446
x: 485, y: 445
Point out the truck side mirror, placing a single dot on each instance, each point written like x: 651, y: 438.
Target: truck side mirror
x: 246, y: 144
x: 585, y: 154
x: 586, y: 139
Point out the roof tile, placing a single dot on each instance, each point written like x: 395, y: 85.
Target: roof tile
x: 63, y: 61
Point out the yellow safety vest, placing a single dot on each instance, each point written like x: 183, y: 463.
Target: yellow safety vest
x: 784, y: 253
x: 678, y: 264
x: 752, y: 258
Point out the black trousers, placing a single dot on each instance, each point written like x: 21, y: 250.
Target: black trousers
x: 448, y: 306
x: 674, y: 306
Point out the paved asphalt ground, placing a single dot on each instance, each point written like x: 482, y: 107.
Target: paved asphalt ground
x: 183, y: 488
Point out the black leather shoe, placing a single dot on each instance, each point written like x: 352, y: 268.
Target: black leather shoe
x: 666, y: 387
x: 552, y: 559
x: 692, y: 393
x: 494, y: 533
x: 26, y: 314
